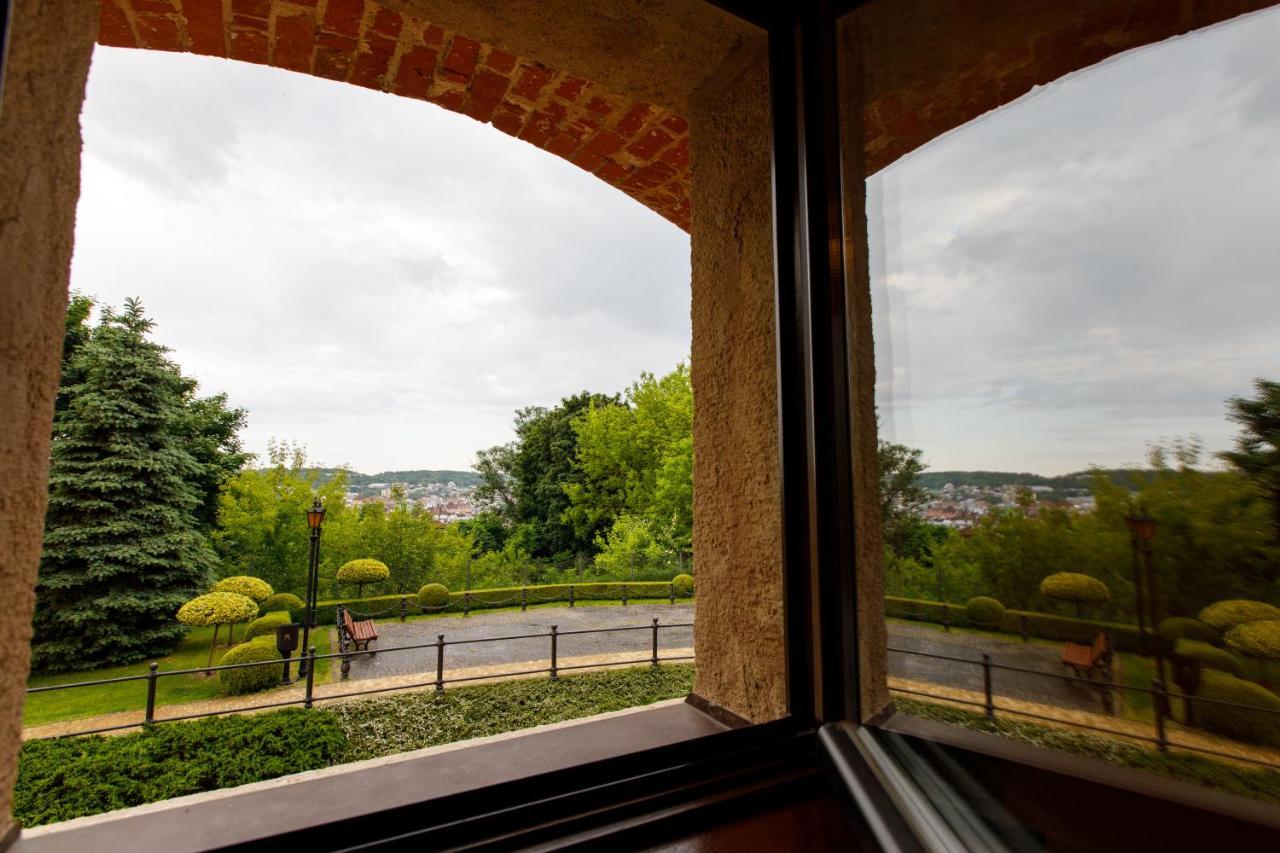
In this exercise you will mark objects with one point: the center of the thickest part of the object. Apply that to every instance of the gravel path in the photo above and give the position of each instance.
(460, 629)
(1053, 690)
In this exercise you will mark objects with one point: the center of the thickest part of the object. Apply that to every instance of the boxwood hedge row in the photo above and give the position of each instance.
(1044, 626)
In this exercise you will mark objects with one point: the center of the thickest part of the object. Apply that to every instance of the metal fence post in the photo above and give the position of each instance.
(673, 592)
(1159, 699)
(554, 629)
(1025, 628)
(439, 663)
(570, 595)
(524, 599)
(404, 608)
(151, 693)
(986, 686)
(655, 641)
(311, 675)
(466, 603)
(624, 595)
(946, 618)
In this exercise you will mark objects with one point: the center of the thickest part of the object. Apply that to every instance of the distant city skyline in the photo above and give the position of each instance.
(1056, 285)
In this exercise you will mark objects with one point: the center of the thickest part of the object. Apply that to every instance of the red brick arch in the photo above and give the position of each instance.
(640, 148)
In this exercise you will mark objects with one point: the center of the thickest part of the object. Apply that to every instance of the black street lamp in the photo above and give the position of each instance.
(315, 520)
(1142, 529)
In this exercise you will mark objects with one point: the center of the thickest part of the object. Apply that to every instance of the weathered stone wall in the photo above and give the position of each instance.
(50, 46)
(737, 496)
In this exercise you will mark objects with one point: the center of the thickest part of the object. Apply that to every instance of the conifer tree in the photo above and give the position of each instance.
(122, 548)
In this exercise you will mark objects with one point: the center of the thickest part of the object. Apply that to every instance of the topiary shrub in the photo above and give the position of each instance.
(266, 625)
(1210, 657)
(1075, 588)
(258, 590)
(217, 609)
(1255, 726)
(1225, 615)
(251, 679)
(361, 572)
(984, 612)
(434, 596)
(1185, 628)
(1260, 639)
(282, 601)
(683, 585)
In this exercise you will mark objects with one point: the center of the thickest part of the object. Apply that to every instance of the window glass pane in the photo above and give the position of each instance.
(1072, 273)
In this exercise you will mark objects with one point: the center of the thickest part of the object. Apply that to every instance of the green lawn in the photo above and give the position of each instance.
(74, 703)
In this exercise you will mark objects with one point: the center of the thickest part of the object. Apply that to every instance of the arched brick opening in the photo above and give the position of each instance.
(640, 148)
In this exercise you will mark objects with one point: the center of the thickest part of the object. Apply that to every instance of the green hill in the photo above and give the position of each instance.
(935, 480)
(422, 477)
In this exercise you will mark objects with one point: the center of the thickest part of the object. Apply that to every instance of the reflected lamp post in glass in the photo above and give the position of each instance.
(315, 520)
(1142, 530)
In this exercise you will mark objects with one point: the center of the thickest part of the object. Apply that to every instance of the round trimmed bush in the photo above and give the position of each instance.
(266, 625)
(217, 608)
(251, 679)
(433, 595)
(1210, 657)
(1185, 628)
(1075, 588)
(683, 585)
(1260, 639)
(282, 601)
(1225, 615)
(984, 611)
(361, 572)
(1242, 723)
(255, 588)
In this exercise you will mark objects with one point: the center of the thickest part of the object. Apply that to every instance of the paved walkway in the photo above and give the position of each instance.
(1047, 689)
(468, 631)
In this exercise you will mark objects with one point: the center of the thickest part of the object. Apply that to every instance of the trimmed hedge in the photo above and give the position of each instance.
(1044, 626)
(250, 587)
(1225, 615)
(63, 778)
(1255, 726)
(434, 596)
(286, 601)
(1210, 657)
(217, 608)
(1075, 588)
(985, 612)
(251, 679)
(683, 585)
(266, 625)
(1259, 639)
(388, 606)
(1184, 628)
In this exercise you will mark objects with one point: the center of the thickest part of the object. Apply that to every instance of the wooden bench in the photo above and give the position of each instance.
(360, 634)
(1084, 659)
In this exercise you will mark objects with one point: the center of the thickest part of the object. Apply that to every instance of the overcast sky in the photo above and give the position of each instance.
(375, 277)
(1057, 284)
(1092, 268)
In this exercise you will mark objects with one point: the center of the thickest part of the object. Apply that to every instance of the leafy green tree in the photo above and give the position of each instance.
(526, 482)
(630, 549)
(209, 429)
(262, 526)
(636, 462)
(1257, 452)
(122, 549)
(905, 532)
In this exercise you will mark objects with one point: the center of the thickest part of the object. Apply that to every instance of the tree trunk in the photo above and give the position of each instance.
(359, 590)
(213, 645)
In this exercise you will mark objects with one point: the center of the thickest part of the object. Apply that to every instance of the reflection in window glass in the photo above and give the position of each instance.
(1079, 400)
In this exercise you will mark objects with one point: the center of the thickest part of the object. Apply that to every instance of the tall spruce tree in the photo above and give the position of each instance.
(122, 548)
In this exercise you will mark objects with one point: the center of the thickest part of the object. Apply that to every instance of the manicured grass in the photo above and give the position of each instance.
(396, 724)
(1258, 784)
(75, 703)
(64, 778)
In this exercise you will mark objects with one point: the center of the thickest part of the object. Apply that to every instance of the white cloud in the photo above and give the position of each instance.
(378, 278)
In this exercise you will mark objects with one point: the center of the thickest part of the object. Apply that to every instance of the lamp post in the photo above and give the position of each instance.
(1142, 529)
(315, 519)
